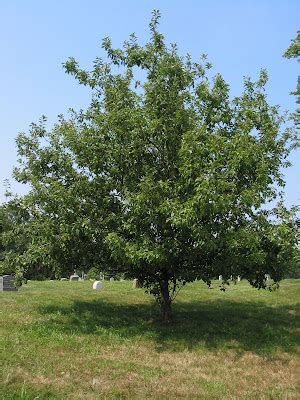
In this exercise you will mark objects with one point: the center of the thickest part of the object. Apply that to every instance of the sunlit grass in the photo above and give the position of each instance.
(62, 340)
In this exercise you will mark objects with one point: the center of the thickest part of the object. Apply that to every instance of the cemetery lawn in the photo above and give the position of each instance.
(62, 340)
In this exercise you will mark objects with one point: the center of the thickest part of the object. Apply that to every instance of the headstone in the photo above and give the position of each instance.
(8, 283)
(97, 285)
(64, 279)
(74, 277)
(220, 277)
(135, 284)
(1, 283)
(267, 276)
(239, 278)
(111, 280)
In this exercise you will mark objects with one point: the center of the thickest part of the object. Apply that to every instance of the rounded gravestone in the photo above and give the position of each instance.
(97, 285)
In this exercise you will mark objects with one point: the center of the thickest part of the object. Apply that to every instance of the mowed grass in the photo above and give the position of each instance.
(62, 340)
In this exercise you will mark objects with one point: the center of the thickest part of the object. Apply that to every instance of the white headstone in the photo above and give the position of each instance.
(135, 284)
(111, 279)
(97, 285)
(239, 279)
(220, 277)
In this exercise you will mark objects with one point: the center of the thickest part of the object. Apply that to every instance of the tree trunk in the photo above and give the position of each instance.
(165, 303)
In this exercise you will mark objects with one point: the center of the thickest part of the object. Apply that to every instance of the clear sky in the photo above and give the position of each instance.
(239, 36)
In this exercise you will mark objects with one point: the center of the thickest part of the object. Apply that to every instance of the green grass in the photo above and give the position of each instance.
(62, 340)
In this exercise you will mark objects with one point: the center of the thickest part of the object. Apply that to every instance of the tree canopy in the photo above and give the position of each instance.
(164, 177)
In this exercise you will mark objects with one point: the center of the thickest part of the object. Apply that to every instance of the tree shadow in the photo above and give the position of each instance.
(214, 325)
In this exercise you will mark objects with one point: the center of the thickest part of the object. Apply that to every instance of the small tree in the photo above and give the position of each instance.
(163, 175)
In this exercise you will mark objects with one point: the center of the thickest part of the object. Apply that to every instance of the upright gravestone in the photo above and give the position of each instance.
(7, 283)
(135, 284)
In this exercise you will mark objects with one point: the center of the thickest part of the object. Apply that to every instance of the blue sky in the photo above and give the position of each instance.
(36, 37)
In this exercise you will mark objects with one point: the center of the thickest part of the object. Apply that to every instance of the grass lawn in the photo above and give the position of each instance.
(62, 340)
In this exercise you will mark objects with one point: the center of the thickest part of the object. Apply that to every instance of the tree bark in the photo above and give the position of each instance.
(165, 303)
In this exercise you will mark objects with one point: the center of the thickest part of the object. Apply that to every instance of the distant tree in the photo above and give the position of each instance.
(163, 177)
(23, 248)
(13, 237)
(36, 245)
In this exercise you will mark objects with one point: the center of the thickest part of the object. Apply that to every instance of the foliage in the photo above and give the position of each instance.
(93, 273)
(13, 237)
(293, 51)
(164, 176)
(293, 269)
(21, 250)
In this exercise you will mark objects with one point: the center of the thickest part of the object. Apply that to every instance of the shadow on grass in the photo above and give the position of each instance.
(214, 325)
